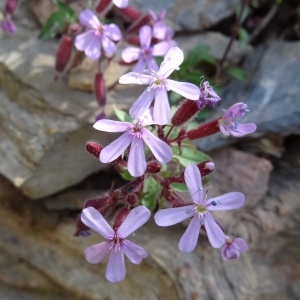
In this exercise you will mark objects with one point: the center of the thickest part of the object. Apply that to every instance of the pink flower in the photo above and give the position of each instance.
(232, 249)
(121, 3)
(145, 55)
(135, 135)
(160, 30)
(158, 87)
(229, 125)
(8, 26)
(116, 244)
(207, 95)
(97, 36)
(199, 212)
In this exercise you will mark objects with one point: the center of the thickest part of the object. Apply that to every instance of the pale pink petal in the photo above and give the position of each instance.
(189, 239)
(171, 216)
(147, 117)
(109, 46)
(89, 19)
(134, 252)
(215, 234)
(121, 3)
(115, 270)
(192, 179)
(145, 36)
(237, 110)
(135, 78)
(113, 32)
(142, 103)
(116, 148)
(240, 244)
(130, 54)
(92, 218)
(159, 148)
(94, 254)
(172, 61)
(161, 110)
(243, 129)
(141, 66)
(135, 219)
(136, 161)
(160, 49)
(82, 41)
(152, 64)
(228, 201)
(223, 129)
(185, 89)
(111, 125)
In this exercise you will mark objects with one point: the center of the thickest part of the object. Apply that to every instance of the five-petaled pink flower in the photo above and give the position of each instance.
(96, 36)
(229, 125)
(232, 249)
(199, 212)
(158, 87)
(135, 134)
(145, 55)
(116, 244)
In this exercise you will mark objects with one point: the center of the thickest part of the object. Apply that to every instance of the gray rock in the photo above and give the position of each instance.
(272, 93)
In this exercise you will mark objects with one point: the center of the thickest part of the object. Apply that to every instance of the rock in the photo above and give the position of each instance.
(42, 9)
(271, 92)
(190, 15)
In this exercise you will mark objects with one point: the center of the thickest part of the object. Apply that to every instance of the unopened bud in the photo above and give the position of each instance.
(74, 28)
(134, 40)
(130, 13)
(153, 167)
(120, 217)
(186, 110)
(100, 89)
(103, 4)
(98, 203)
(206, 167)
(10, 6)
(64, 53)
(144, 20)
(132, 199)
(204, 130)
(93, 148)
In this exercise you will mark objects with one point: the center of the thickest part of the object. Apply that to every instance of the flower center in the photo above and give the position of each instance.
(136, 129)
(200, 209)
(146, 52)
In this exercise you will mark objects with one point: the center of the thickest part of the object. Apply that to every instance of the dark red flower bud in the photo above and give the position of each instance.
(100, 89)
(120, 217)
(134, 40)
(130, 13)
(93, 148)
(144, 20)
(98, 203)
(204, 130)
(186, 110)
(10, 6)
(74, 28)
(206, 167)
(132, 199)
(153, 167)
(103, 4)
(64, 53)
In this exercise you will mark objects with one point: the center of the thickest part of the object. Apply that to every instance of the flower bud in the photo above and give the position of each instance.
(120, 217)
(206, 167)
(100, 89)
(144, 20)
(232, 249)
(186, 110)
(10, 6)
(132, 199)
(153, 167)
(103, 4)
(134, 40)
(98, 203)
(64, 53)
(130, 13)
(204, 130)
(93, 148)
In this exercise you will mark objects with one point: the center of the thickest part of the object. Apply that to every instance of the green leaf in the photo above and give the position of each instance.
(125, 174)
(66, 9)
(121, 115)
(179, 187)
(189, 155)
(151, 191)
(54, 24)
(243, 36)
(237, 73)
(245, 13)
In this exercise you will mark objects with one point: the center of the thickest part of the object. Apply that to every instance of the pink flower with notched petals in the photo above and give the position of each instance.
(116, 244)
(145, 55)
(158, 87)
(199, 212)
(232, 249)
(135, 135)
(97, 36)
(229, 125)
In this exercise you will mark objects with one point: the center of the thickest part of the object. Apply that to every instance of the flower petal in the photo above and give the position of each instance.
(227, 201)
(160, 49)
(189, 239)
(141, 104)
(172, 61)
(161, 110)
(171, 216)
(115, 270)
(185, 89)
(145, 36)
(130, 54)
(152, 64)
(136, 160)
(116, 148)
(141, 66)
(215, 234)
(147, 117)
(113, 32)
(243, 129)
(237, 110)
(109, 46)
(89, 19)
(134, 252)
(121, 3)
(161, 150)
(111, 125)
(135, 78)
(92, 218)
(94, 254)
(240, 244)
(192, 179)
